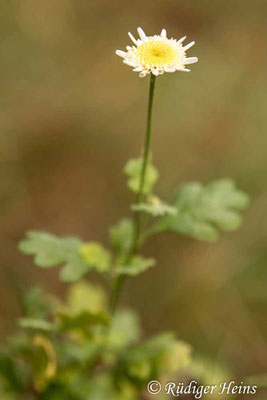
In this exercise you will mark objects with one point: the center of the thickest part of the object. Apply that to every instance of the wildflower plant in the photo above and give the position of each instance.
(87, 347)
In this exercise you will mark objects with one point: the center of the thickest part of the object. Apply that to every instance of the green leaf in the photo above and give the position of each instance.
(10, 376)
(36, 324)
(121, 236)
(38, 304)
(82, 321)
(43, 362)
(153, 348)
(95, 255)
(155, 207)
(139, 369)
(163, 353)
(124, 330)
(133, 170)
(177, 355)
(201, 211)
(50, 250)
(99, 387)
(72, 352)
(86, 305)
(83, 296)
(136, 265)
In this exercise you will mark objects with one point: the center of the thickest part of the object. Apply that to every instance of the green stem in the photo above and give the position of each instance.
(118, 284)
(137, 215)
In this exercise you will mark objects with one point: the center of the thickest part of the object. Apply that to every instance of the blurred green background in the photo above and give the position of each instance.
(71, 114)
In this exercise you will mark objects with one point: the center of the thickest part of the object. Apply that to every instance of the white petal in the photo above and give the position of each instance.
(128, 48)
(189, 45)
(183, 69)
(131, 63)
(163, 33)
(120, 53)
(190, 60)
(132, 38)
(143, 74)
(170, 69)
(155, 72)
(181, 40)
(141, 33)
(138, 69)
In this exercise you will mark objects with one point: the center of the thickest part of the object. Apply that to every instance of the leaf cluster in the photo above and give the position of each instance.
(75, 351)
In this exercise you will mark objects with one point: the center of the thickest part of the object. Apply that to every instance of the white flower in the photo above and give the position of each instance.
(156, 54)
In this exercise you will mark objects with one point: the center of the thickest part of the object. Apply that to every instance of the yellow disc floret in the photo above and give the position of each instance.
(156, 53)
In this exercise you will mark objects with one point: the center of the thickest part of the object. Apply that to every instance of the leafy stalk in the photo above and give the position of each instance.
(119, 281)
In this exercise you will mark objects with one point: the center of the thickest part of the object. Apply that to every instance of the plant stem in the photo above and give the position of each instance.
(137, 215)
(118, 284)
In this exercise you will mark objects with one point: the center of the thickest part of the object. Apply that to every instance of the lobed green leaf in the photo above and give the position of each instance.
(76, 257)
(156, 357)
(82, 321)
(155, 207)
(202, 211)
(36, 324)
(84, 296)
(121, 236)
(124, 330)
(95, 255)
(36, 303)
(135, 266)
(133, 170)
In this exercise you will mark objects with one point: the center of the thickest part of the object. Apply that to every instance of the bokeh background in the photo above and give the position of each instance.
(71, 114)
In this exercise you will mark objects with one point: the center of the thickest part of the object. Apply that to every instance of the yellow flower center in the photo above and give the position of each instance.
(156, 53)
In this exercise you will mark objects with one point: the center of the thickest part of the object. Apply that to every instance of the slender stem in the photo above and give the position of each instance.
(118, 284)
(115, 293)
(137, 215)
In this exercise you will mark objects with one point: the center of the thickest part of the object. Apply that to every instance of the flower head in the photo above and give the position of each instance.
(156, 54)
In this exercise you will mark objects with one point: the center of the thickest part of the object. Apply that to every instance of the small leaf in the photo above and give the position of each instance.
(38, 304)
(95, 255)
(83, 296)
(178, 355)
(36, 324)
(201, 211)
(136, 266)
(151, 350)
(140, 370)
(10, 376)
(99, 387)
(44, 362)
(155, 207)
(121, 236)
(133, 170)
(73, 352)
(75, 269)
(163, 353)
(125, 329)
(50, 250)
(82, 321)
